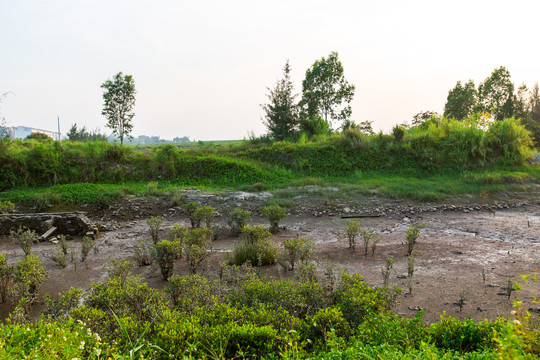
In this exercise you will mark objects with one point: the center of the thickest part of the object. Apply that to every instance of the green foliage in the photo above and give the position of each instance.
(411, 235)
(119, 269)
(274, 213)
(6, 207)
(387, 270)
(463, 336)
(325, 323)
(258, 253)
(61, 307)
(239, 219)
(84, 135)
(352, 229)
(196, 247)
(461, 101)
(38, 136)
(369, 237)
(133, 298)
(281, 113)
(398, 133)
(6, 277)
(165, 253)
(256, 233)
(29, 277)
(325, 92)
(191, 211)
(178, 198)
(143, 253)
(88, 244)
(25, 238)
(60, 340)
(118, 103)
(154, 223)
(191, 291)
(496, 94)
(152, 189)
(59, 256)
(206, 213)
(296, 249)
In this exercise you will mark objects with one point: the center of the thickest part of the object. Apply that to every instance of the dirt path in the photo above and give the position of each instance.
(453, 250)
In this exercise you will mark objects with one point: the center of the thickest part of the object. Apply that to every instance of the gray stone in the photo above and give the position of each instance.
(72, 223)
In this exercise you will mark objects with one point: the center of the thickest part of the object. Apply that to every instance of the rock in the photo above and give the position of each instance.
(72, 223)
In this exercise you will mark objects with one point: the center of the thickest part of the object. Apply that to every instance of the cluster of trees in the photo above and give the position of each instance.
(497, 96)
(75, 134)
(326, 100)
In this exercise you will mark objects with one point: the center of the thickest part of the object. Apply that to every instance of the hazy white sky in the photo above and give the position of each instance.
(201, 68)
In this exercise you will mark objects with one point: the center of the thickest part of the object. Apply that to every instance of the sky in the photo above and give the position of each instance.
(202, 68)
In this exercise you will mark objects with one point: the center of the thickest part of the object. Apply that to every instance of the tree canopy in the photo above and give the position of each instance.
(496, 94)
(118, 103)
(281, 113)
(326, 92)
(461, 101)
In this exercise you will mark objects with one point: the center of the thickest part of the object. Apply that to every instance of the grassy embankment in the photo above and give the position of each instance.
(426, 163)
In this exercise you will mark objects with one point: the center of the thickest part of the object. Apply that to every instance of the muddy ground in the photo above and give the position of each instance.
(500, 238)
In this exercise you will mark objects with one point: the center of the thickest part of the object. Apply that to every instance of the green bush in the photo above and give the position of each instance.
(274, 213)
(142, 252)
(25, 238)
(61, 307)
(165, 253)
(296, 249)
(6, 277)
(29, 277)
(6, 207)
(463, 336)
(239, 219)
(205, 213)
(196, 247)
(191, 291)
(154, 223)
(195, 217)
(256, 250)
(325, 322)
(120, 268)
(352, 229)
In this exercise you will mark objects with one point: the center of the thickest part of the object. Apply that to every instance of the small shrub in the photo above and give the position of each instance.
(386, 270)
(165, 253)
(307, 272)
(239, 219)
(463, 336)
(410, 269)
(6, 277)
(191, 211)
(6, 207)
(398, 133)
(59, 257)
(205, 213)
(119, 269)
(254, 234)
(154, 223)
(509, 287)
(88, 244)
(63, 305)
(259, 253)
(178, 198)
(462, 299)
(274, 213)
(152, 188)
(196, 247)
(352, 229)
(376, 240)
(411, 235)
(328, 322)
(142, 253)
(259, 186)
(25, 238)
(296, 249)
(188, 292)
(367, 237)
(62, 241)
(29, 277)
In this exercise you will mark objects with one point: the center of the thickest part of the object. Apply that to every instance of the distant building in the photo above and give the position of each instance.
(21, 132)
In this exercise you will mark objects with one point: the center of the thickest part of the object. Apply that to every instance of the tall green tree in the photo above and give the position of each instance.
(325, 91)
(532, 119)
(281, 113)
(461, 101)
(118, 103)
(496, 94)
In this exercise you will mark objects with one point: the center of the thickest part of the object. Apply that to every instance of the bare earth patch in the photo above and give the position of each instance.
(453, 250)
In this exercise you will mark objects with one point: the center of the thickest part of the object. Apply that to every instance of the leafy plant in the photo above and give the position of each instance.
(6, 207)
(88, 244)
(411, 235)
(178, 198)
(154, 223)
(25, 238)
(143, 253)
(165, 253)
(59, 257)
(62, 306)
(239, 219)
(119, 269)
(274, 213)
(387, 270)
(352, 229)
(296, 249)
(462, 299)
(374, 244)
(191, 211)
(206, 213)
(6, 277)
(367, 237)
(29, 277)
(196, 247)
(410, 269)
(191, 291)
